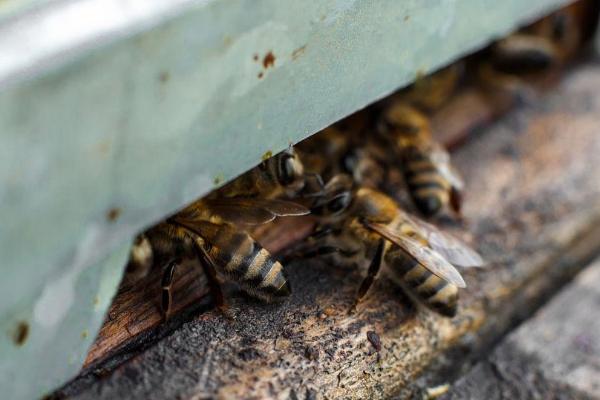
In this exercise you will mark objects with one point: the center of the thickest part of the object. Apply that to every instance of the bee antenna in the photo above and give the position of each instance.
(313, 195)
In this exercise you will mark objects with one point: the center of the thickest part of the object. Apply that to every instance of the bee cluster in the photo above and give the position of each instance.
(343, 178)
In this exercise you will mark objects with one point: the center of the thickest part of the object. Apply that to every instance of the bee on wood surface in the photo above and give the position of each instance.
(346, 149)
(431, 180)
(527, 56)
(536, 48)
(365, 224)
(322, 154)
(209, 231)
(430, 92)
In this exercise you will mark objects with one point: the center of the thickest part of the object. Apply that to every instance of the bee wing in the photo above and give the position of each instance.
(251, 211)
(451, 248)
(427, 257)
(441, 159)
(219, 235)
(283, 208)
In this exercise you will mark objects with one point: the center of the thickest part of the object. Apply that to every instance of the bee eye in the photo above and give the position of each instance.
(349, 161)
(287, 169)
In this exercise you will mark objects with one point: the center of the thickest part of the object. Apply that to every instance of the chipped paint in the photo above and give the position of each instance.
(58, 295)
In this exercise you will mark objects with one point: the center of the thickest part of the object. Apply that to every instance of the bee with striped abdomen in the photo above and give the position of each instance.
(430, 92)
(335, 150)
(431, 180)
(365, 224)
(511, 65)
(209, 230)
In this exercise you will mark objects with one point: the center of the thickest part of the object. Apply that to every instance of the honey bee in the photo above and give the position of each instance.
(428, 93)
(322, 154)
(528, 55)
(522, 53)
(279, 176)
(347, 147)
(208, 230)
(431, 180)
(563, 29)
(539, 46)
(365, 224)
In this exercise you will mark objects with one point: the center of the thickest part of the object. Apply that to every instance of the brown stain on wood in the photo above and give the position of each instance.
(268, 60)
(298, 52)
(21, 333)
(113, 214)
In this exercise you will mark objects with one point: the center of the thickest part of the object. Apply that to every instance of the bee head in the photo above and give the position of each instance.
(289, 170)
(335, 199)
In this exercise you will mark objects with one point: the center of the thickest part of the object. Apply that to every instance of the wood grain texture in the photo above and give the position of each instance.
(532, 209)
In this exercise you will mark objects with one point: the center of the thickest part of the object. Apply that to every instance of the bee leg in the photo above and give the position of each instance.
(371, 274)
(317, 177)
(455, 200)
(210, 270)
(319, 180)
(166, 284)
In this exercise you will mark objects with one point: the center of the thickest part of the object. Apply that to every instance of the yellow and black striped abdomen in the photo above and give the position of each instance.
(247, 263)
(433, 291)
(429, 190)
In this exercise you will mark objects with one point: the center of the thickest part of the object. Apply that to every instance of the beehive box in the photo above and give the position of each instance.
(109, 125)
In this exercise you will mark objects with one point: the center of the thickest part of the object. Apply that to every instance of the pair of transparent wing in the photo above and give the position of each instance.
(234, 211)
(219, 235)
(441, 159)
(244, 211)
(444, 251)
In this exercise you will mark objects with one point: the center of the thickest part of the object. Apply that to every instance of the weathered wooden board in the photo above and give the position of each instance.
(556, 354)
(533, 193)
